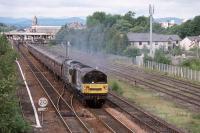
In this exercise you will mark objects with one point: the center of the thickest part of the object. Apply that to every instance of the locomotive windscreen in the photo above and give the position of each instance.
(94, 77)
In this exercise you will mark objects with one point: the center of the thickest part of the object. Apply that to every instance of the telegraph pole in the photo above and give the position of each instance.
(67, 49)
(151, 12)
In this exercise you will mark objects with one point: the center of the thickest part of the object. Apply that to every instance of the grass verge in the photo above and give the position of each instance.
(154, 103)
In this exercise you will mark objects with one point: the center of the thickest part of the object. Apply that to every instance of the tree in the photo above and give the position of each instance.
(11, 120)
(123, 25)
(132, 52)
(96, 18)
(161, 58)
(189, 28)
(129, 16)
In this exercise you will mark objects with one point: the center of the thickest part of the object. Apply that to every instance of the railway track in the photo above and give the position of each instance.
(194, 92)
(141, 117)
(154, 86)
(186, 94)
(110, 122)
(114, 125)
(72, 123)
(190, 93)
(175, 82)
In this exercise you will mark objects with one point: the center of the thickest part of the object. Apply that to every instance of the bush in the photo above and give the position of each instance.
(115, 87)
(132, 52)
(192, 64)
(147, 58)
(161, 58)
(11, 120)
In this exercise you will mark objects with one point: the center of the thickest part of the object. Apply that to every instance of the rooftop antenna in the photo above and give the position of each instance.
(151, 12)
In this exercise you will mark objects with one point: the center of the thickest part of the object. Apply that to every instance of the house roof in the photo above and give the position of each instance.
(193, 38)
(144, 37)
(46, 29)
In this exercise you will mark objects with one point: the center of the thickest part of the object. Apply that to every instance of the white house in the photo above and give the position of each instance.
(141, 40)
(189, 42)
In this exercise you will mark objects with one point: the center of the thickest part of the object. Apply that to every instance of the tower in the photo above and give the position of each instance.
(34, 21)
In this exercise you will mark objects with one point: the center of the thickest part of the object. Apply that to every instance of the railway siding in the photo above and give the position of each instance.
(143, 118)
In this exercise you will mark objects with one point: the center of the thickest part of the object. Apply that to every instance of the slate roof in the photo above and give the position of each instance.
(193, 38)
(144, 37)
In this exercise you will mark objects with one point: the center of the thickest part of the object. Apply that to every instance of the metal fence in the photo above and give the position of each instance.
(178, 71)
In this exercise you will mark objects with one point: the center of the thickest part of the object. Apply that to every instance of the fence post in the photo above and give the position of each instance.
(195, 77)
(168, 69)
(198, 76)
(178, 71)
(150, 64)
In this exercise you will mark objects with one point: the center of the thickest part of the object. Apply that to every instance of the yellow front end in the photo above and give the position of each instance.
(95, 88)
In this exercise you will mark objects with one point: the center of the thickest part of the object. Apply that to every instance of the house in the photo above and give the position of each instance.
(167, 24)
(189, 42)
(141, 40)
(35, 28)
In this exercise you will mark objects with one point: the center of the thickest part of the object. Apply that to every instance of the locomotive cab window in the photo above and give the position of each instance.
(94, 77)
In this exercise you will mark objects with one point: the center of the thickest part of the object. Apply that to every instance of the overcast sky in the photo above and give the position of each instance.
(69, 8)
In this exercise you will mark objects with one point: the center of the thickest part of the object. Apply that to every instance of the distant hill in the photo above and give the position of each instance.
(168, 19)
(23, 22)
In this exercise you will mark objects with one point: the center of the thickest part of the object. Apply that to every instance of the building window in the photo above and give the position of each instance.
(140, 43)
(156, 43)
(176, 42)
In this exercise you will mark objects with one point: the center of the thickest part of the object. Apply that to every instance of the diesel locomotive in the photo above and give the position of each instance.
(88, 83)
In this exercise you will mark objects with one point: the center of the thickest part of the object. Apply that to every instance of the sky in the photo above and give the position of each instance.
(81, 8)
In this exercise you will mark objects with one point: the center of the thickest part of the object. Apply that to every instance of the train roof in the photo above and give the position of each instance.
(58, 58)
(84, 71)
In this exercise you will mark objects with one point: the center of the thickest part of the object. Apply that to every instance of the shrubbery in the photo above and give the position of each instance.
(160, 57)
(116, 87)
(11, 120)
(192, 64)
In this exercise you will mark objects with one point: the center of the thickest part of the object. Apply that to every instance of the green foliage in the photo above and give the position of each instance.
(129, 16)
(189, 28)
(138, 29)
(192, 64)
(115, 87)
(132, 52)
(11, 121)
(161, 58)
(176, 51)
(105, 32)
(147, 58)
(96, 18)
